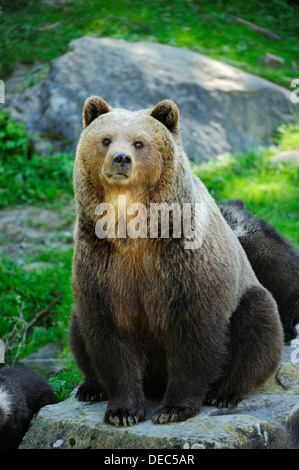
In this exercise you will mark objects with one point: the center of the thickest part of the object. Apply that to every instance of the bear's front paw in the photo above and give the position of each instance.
(91, 392)
(223, 402)
(171, 414)
(123, 416)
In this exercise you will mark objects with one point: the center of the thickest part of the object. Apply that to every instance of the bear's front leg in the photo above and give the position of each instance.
(120, 364)
(196, 352)
(181, 401)
(123, 378)
(115, 364)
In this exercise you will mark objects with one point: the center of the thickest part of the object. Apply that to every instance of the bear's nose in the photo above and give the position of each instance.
(121, 160)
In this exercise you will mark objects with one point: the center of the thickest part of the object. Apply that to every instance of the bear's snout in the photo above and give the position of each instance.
(118, 168)
(122, 161)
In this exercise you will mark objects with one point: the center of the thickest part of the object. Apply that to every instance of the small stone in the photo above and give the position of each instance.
(272, 61)
(38, 265)
(198, 446)
(58, 443)
(287, 156)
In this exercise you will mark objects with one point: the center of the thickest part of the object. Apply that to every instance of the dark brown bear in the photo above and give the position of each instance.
(151, 317)
(273, 259)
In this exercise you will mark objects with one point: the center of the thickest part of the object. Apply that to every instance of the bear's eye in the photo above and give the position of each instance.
(106, 142)
(138, 144)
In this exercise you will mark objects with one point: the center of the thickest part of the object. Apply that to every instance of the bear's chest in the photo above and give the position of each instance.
(137, 289)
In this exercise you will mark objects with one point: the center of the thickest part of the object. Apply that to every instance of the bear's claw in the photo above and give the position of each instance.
(123, 417)
(170, 414)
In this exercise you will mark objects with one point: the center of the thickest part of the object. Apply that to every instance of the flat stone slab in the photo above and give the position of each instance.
(287, 156)
(268, 418)
(45, 361)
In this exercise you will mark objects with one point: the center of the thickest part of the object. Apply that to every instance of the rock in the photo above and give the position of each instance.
(287, 156)
(272, 61)
(25, 75)
(71, 424)
(267, 418)
(222, 108)
(45, 361)
(38, 265)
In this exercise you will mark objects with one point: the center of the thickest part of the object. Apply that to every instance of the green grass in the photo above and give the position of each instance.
(199, 25)
(24, 294)
(45, 180)
(288, 136)
(64, 383)
(27, 178)
(270, 190)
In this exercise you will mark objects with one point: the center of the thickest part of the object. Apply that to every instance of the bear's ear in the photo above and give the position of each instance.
(167, 113)
(238, 202)
(93, 107)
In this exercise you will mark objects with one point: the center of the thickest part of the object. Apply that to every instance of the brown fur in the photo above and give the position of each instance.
(150, 316)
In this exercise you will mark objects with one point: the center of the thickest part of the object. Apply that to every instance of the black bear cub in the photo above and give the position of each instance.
(273, 259)
(22, 394)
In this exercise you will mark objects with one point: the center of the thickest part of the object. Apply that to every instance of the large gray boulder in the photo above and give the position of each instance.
(268, 418)
(222, 108)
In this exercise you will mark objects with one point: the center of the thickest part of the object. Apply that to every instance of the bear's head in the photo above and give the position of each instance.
(128, 152)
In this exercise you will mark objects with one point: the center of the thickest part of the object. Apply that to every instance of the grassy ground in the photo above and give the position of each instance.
(196, 24)
(24, 295)
(25, 178)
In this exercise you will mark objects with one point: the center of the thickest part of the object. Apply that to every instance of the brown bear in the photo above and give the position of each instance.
(273, 259)
(152, 317)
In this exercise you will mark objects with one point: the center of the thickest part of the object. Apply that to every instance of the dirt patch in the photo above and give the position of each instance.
(27, 232)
